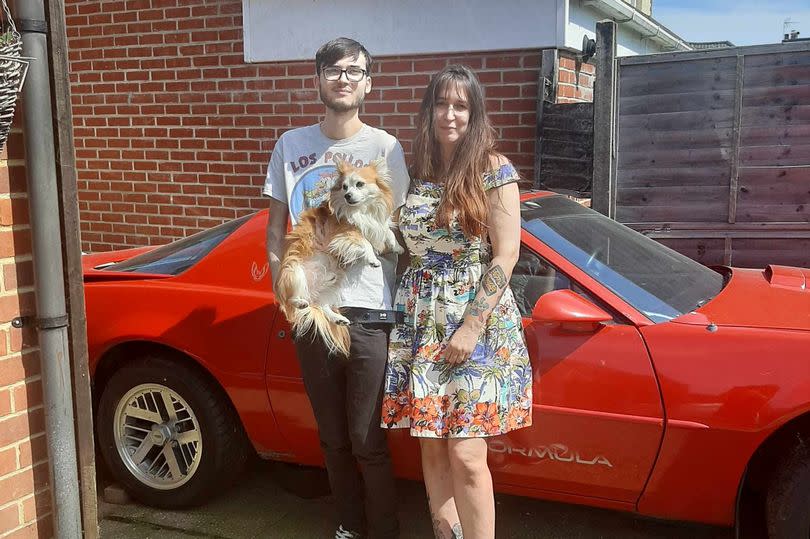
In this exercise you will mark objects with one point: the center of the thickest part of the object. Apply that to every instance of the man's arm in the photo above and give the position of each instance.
(276, 230)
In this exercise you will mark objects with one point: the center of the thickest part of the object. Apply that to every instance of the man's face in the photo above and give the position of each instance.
(343, 95)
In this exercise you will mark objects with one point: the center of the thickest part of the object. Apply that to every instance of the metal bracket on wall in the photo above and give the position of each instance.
(32, 25)
(548, 90)
(53, 322)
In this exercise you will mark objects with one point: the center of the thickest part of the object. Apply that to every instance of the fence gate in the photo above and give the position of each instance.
(709, 152)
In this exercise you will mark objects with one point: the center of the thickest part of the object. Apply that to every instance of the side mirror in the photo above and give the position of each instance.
(569, 310)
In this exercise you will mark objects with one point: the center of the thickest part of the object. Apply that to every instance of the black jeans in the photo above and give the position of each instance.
(346, 396)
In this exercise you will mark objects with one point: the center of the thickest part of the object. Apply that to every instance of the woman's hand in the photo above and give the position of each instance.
(461, 345)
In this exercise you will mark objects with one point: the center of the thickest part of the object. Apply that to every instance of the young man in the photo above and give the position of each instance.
(345, 393)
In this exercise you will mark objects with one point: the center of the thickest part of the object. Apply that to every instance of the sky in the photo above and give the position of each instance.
(743, 22)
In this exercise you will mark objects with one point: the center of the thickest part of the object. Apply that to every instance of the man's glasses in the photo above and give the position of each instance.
(353, 74)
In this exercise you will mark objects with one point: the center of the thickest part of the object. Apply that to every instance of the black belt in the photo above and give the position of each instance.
(372, 316)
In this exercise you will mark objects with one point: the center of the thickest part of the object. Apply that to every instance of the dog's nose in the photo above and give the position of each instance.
(348, 197)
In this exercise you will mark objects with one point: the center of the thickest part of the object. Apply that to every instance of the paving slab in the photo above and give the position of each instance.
(261, 505)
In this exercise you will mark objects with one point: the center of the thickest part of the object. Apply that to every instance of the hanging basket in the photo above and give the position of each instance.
(12, 72)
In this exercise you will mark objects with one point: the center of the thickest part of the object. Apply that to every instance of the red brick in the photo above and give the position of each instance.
(41, 528)
(519, 76)
(18, 367)
(24, 338)
(8, 461)
(566, 76)
(16, 486)
(420, 81)
(395, 66)
(431, 65)
(33, 451)
(494, 62)
(28, 395)
(18, 427)
(565, 91)
(9, 518)
(585, 81)
(5, 402)
(13, 211)
(36, 506)
(567, 63)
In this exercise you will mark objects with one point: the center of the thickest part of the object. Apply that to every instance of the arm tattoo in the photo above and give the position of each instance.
(477, 308)
(457, 531)
(494, 280)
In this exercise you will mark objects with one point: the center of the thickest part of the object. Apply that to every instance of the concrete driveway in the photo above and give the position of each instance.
(262, 506)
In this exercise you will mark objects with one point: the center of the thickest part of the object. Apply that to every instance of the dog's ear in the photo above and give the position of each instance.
(342, 166)
(381, 166)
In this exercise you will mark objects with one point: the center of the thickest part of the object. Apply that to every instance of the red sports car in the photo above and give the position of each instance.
(662, 387)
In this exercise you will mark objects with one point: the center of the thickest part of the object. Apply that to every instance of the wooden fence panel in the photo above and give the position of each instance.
(566, 160)
(713, 152)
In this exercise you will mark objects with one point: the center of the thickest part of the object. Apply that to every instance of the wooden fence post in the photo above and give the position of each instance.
(546, 92)
(604, 120)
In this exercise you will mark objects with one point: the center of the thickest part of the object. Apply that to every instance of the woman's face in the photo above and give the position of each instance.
(451, 115)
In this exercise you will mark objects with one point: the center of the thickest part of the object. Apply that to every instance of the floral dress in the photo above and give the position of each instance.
(491, 392)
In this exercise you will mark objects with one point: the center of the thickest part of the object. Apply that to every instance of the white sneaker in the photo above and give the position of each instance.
(343, 533)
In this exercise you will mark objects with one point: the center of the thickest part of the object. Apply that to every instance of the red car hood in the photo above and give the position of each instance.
(777, 297)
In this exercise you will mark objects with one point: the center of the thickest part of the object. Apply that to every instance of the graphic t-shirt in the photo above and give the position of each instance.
(301, 173)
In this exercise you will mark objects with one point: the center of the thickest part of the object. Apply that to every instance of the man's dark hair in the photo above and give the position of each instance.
(337, 49)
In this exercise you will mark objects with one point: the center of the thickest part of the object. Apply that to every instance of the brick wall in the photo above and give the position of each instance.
(173, 130)
(574, 80)
(24, 494)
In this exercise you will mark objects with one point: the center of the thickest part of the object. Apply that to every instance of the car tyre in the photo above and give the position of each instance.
(163, 458)
(788, 498)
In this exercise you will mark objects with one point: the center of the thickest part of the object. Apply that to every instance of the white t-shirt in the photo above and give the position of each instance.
(301, 173)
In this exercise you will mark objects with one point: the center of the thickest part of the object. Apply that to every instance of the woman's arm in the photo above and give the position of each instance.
(504, 234)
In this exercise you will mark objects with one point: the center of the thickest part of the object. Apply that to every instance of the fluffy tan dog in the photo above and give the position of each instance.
(352, 228)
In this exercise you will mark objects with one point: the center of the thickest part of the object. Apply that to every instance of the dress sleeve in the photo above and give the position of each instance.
(506, 173)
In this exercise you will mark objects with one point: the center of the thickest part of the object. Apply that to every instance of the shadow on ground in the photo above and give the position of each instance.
(263, 505)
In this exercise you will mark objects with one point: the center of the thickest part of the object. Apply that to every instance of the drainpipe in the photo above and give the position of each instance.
(52, 319)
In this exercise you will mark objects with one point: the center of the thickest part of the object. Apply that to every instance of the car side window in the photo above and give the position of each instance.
(532, 277)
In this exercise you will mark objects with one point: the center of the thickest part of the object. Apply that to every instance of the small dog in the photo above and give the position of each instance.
(352, 227)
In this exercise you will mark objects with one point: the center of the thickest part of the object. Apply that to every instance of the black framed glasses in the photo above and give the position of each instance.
(353, 74)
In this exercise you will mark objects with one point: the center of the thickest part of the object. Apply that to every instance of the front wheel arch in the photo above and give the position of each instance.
(121, 354)
(764, 464)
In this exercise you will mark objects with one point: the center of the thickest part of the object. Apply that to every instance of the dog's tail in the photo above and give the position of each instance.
(313, 319)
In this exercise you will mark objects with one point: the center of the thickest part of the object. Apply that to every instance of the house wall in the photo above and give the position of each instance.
(582, 21)
(174, 130)
(644, 6)
(24, 494)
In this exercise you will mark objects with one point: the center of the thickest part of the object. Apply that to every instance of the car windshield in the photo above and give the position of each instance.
(659, 282)
(175, 258)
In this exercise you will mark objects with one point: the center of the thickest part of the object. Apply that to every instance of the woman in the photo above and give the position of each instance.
(458, 370)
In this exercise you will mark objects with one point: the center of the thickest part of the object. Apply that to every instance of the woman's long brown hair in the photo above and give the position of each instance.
(463, 186)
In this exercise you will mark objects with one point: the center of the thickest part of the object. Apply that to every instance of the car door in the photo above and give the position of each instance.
(597, 415)
(285, 387)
